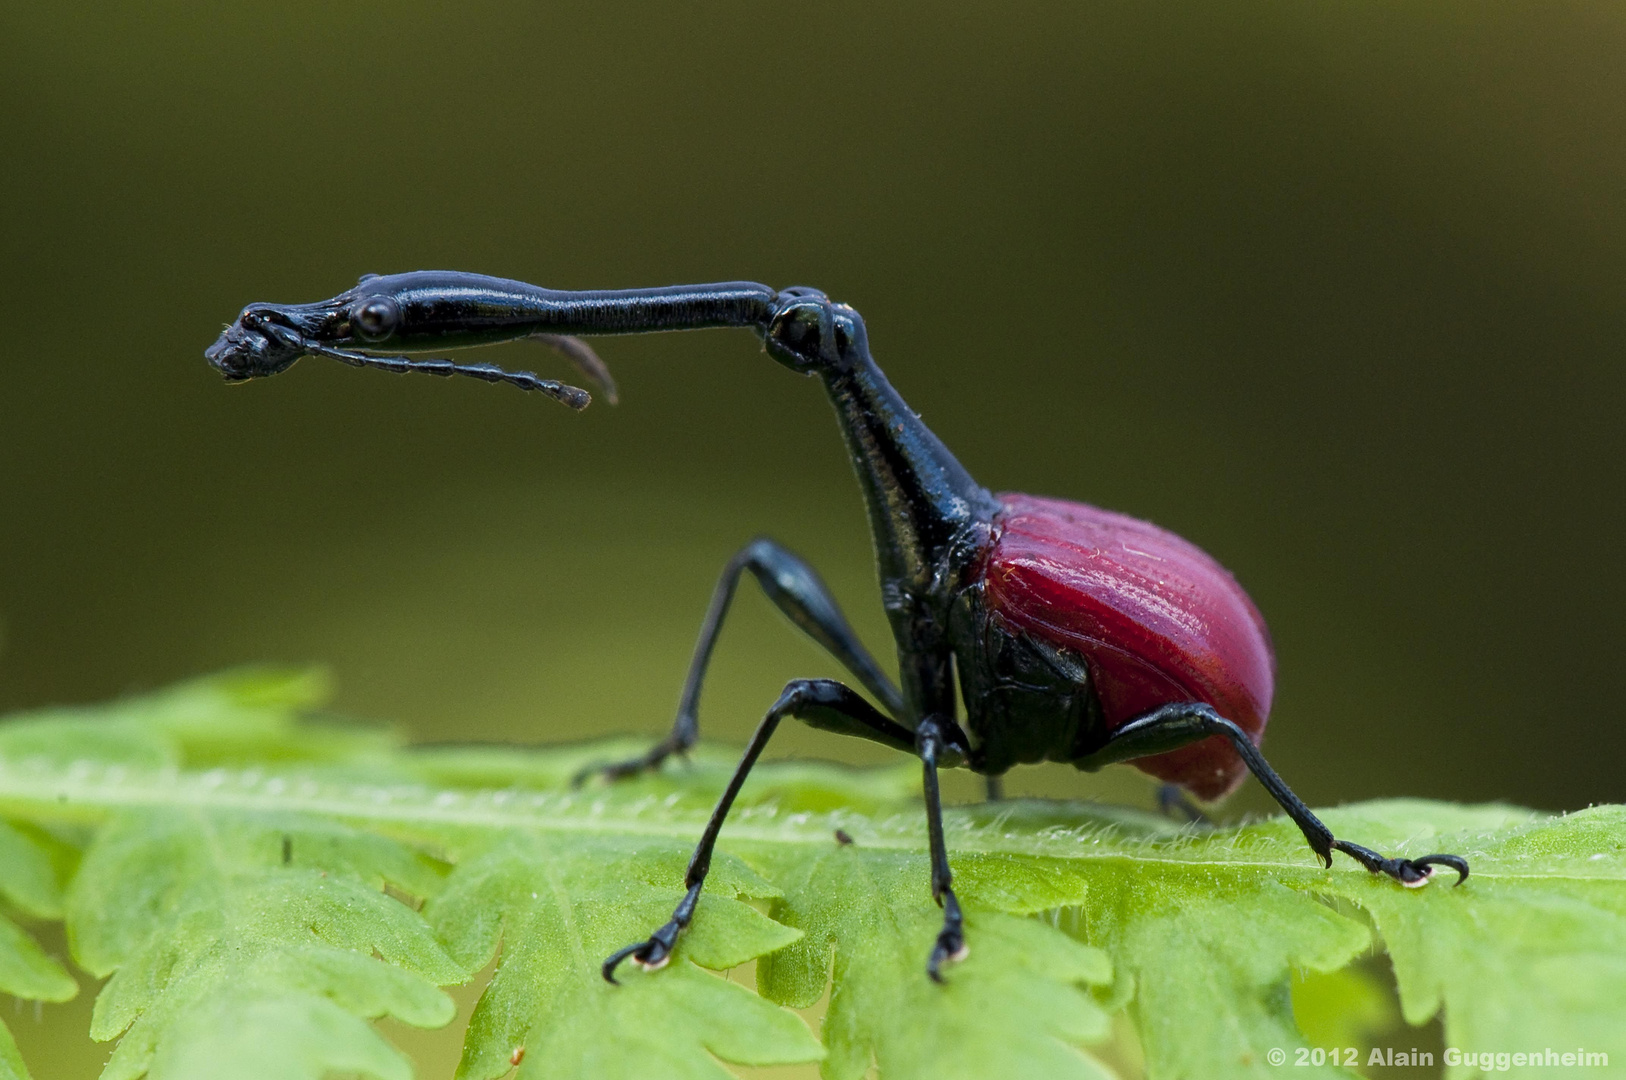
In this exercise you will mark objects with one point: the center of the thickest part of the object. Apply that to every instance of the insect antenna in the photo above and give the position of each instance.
(573, 396)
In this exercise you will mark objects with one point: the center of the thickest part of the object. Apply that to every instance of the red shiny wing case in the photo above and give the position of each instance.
(1157, 620)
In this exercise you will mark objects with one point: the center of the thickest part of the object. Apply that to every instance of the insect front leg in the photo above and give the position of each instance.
(819, 703)
(1173, 726)
(585, 358)
(796, 589)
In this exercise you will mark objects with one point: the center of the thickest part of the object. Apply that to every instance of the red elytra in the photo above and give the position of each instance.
(1157, 620)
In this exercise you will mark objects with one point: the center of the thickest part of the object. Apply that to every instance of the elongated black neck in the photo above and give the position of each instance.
(927, 516)
(449, 309)
(610, 311)
(922, 503)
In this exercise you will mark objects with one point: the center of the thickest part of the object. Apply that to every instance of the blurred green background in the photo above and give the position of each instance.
(1334, 290)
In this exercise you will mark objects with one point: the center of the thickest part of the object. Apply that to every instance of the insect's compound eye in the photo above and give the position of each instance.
(376, 318)
(798, 329)
(796, 334)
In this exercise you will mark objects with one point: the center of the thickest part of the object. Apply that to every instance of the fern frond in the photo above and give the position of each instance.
(258, 886)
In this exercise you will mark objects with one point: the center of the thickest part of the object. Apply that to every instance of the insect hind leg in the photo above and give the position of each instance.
(1173, 726)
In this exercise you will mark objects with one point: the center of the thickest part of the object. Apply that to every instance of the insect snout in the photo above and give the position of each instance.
(245, 350)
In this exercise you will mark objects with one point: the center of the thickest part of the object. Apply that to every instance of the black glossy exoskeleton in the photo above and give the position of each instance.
(1076, 634)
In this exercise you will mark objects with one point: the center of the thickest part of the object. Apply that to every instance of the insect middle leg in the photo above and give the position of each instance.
(819, 703)
(798, 591)
(1173, 726)
(940, 740)
(1173, 802)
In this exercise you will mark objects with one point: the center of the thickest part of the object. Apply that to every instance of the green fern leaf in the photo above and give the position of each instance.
(1543, 918)
(12, 1066)
(30, 864)
(560, 905)
(250, 881)
(1016, 1007)
(248, 716)
(228, 933)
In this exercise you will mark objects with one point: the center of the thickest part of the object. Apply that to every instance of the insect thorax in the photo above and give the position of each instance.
(1026, 700)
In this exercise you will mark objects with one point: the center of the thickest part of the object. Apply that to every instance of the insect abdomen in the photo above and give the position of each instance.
(1157, 620)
